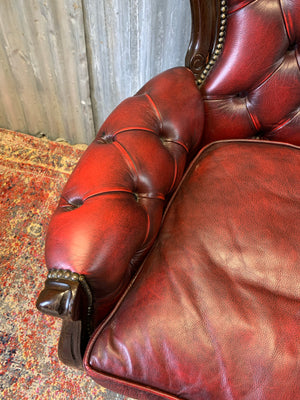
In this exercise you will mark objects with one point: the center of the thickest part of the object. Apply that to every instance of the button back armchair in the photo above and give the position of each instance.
(173, 254)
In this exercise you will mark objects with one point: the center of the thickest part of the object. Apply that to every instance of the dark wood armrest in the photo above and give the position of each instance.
(67, 296)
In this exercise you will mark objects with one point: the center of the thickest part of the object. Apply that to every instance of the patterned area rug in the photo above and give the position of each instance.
(32, 174)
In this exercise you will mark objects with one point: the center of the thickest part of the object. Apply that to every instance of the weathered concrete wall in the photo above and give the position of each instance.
(65, 64)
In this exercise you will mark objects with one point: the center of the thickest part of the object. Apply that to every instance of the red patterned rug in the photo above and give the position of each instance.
(32, 174)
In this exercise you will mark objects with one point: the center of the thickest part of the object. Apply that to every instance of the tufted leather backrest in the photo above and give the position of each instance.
(253, 91)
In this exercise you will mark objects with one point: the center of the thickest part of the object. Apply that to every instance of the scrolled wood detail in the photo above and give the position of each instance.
(67, 296)
(207, 36)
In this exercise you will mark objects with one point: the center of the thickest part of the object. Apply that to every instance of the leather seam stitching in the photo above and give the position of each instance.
(128, 158)
(156, 110)
(154, 106)
(254, 120)
(134, 128)
(288, 33)
(284, 123)
(109, 191)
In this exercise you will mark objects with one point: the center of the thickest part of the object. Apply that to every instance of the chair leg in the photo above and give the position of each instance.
(70, 344)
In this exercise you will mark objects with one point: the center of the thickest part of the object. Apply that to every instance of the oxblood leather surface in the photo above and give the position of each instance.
(111, 207)
(215, 311)
(254, 89)
(219, 312)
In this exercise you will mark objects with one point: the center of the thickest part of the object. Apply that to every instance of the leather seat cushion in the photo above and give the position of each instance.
(214, 313)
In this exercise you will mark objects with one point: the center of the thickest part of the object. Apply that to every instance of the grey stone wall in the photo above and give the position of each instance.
(65, 64)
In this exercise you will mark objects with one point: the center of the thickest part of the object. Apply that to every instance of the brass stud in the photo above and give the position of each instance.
(219, 45)
(67, 274)
(73, 276)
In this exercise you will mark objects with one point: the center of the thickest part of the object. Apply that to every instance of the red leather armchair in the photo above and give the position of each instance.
(173, 255)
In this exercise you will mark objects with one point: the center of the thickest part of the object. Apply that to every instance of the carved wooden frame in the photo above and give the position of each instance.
(207, 36)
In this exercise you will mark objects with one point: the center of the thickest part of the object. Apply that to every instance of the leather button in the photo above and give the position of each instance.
(292, 46)
(136, 196)
(76, 202)
(103, 138)
(107, 140)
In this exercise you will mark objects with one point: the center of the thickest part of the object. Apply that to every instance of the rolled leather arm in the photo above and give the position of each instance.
(112, 205)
